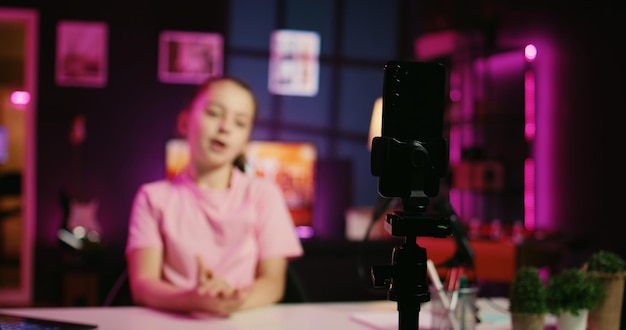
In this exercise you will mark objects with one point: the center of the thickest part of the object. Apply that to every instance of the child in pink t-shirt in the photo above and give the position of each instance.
(212, 239)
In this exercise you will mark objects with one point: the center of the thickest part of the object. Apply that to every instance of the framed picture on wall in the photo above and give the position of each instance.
(294, 63)
(81, 54)
(190, 57)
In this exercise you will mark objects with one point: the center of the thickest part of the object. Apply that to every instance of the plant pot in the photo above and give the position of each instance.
(569, 321)
(525, 321)
(608, 313)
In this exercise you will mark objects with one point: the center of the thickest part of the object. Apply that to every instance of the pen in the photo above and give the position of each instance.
(455, 275)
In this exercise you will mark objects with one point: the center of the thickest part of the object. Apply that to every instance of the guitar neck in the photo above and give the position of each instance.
(77, 171)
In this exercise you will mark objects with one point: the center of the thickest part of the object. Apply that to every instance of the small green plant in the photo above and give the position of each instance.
(573, 290)
(528, 292)
(605, 261)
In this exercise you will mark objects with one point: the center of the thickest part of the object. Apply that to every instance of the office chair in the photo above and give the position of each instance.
(10, 187)
(120, 294)
(295, 290)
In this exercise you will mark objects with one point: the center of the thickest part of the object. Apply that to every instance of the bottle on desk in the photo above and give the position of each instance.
(517, 232)
(495, 230)
(474, 229)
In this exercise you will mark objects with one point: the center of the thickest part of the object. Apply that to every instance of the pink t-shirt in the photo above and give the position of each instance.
(231, 230)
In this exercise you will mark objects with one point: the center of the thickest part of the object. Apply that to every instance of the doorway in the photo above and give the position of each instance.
(19, 38)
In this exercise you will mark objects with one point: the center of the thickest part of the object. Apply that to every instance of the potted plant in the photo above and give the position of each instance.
(571, 294)
(527, 299)
(610, 269)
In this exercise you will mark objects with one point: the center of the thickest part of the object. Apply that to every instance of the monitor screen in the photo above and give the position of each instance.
(290, 164)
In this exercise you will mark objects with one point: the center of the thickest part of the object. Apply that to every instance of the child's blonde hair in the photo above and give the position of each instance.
(240, 161)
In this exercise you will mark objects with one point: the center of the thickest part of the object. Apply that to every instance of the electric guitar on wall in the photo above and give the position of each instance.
(80, 223)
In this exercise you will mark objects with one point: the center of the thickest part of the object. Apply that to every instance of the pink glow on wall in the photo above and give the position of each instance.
(539, 76)
(529, 105)
(455, 135)
(455, 145)
(467, 108)
(543, 148)
(498, 65)
(454, 195)
(304, 231)
(540, 102)
(454, 112)
(455, 95)
(530, 53)
(437, 44)
(529, 194)
(20, 98)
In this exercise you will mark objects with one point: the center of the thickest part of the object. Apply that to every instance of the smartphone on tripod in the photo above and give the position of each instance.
(413, 105)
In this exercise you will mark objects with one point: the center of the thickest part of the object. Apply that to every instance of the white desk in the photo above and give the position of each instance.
(379, 315)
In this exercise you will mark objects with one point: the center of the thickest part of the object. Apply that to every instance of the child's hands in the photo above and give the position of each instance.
(215, 294)
(211, 286)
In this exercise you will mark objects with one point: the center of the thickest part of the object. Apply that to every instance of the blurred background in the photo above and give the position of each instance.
(533, 130)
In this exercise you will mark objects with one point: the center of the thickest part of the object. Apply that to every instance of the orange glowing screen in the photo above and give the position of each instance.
(290, 164)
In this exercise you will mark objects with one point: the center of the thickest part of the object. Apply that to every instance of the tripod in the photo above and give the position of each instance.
(407, 276)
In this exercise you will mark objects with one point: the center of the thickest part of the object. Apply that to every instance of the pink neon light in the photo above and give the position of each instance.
(529, 194)
(20, 97)
(304, 231)
(529, 105)
(530, 52)
(529, 133)
(455, 95)
(455, 145)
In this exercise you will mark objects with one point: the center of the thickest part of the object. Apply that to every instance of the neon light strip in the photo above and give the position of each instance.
(529, 193)
(530, 53)
(529, 105)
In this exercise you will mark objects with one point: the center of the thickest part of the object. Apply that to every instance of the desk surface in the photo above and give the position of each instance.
(370, 315)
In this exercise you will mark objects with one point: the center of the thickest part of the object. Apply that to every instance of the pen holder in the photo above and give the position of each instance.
(464, 310)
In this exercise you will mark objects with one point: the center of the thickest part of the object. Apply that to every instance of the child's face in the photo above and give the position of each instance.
(219, 124)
